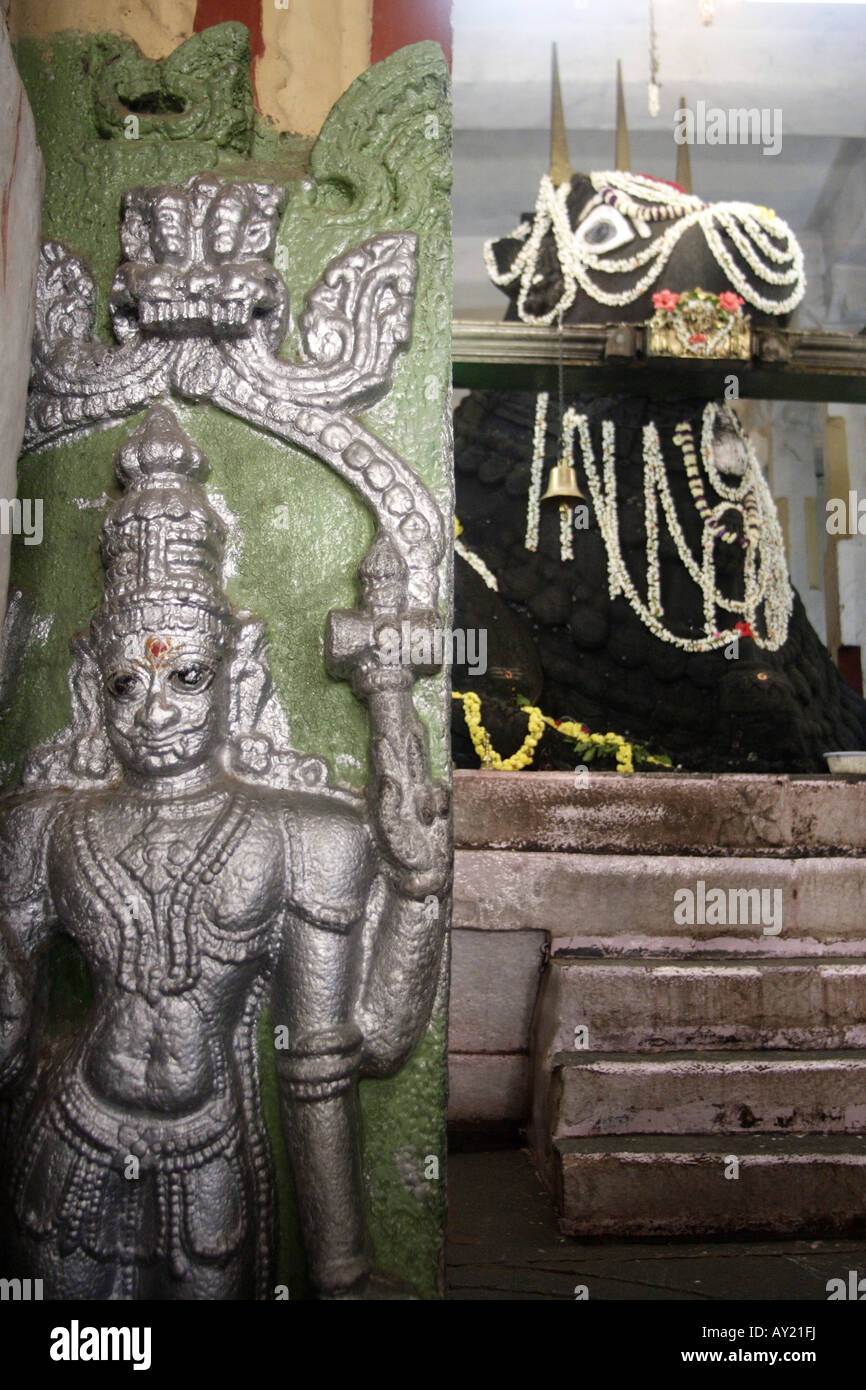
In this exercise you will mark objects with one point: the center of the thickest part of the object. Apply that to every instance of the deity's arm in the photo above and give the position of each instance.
(359, 959)
(26, 918)
(403, 939)
(407, 808)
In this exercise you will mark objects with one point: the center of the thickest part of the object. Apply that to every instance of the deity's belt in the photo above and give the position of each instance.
(173, 1143)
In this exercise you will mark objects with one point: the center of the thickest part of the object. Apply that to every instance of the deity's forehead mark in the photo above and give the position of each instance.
(160, 648)
(156, 649)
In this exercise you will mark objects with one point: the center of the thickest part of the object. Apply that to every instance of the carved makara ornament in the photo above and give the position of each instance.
(203, 867)
(199, 310)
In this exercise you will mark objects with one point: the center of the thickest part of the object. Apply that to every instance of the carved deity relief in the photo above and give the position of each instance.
(203, 867)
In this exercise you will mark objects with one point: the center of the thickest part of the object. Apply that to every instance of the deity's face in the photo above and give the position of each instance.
(224, 223)
(170, 231)
(164, 697)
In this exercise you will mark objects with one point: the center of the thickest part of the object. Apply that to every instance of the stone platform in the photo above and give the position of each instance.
(504, 1243)
(643, 1050)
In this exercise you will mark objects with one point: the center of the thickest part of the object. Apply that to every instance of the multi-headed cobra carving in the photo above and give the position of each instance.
(201, 865)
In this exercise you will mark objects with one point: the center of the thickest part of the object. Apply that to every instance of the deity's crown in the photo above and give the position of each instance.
(162, 543)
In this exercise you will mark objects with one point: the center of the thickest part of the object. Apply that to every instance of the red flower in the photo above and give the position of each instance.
(743, 629)
(698, 338)
(665, 300)
(731, 302)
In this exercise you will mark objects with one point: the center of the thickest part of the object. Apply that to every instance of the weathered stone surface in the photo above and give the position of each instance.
(491, 1090)
(647, 1006)
(660, 1186)
(611, 904)
(606, 812)
(494, 981)
(708, 1093)
(21, 179)
(504, 1243)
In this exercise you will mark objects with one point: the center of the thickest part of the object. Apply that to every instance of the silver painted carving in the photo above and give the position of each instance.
(201, 866)
(198, 309)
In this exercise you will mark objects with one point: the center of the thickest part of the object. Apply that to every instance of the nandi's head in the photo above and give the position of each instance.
(598, 246)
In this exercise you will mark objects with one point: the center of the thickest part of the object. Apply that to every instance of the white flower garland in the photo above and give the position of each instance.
(765, 568)
(646, 200)
(737, 492)
(475, 562)
(533, 511)
(565, 533)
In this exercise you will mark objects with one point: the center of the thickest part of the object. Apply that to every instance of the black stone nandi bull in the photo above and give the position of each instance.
(598, 625)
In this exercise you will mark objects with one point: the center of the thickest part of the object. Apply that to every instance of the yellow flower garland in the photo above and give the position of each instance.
(538, 721)
(579, 732)
(481, 739)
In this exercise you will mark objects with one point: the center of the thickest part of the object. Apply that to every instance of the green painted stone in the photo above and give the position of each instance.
(381, 162)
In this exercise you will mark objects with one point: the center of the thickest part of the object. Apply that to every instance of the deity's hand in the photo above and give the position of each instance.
(382, 649)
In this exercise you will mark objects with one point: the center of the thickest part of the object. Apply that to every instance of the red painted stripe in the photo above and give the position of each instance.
(397, 22)
(851, 667)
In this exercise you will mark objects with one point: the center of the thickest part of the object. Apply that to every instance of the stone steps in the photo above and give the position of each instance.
(689, 1093)
(690, 1062)
(672, 1032)
(676, 1187)
(614, 903)
(653, 1006)
(660, 813)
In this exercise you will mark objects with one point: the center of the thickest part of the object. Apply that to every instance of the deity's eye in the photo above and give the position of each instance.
(124, 685)
(603, 229)
(192, 677)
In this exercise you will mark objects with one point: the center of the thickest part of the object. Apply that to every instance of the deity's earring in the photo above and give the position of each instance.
(91, 755)
(251, 755)
(91, 758)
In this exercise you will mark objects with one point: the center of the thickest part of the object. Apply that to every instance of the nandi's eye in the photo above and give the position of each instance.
(603, 229)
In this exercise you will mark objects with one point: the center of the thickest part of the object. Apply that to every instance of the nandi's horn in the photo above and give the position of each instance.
(623, 158)
(560, 169)
(684, 160)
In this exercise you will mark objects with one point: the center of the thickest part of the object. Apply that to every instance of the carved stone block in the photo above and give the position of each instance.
(229, 869)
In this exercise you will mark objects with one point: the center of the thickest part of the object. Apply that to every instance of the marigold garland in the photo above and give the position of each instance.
(481, 739)
(588, 745)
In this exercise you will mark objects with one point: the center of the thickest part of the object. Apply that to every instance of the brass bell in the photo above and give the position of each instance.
(563, 484)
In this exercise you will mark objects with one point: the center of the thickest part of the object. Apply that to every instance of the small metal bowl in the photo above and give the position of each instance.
(847, 762)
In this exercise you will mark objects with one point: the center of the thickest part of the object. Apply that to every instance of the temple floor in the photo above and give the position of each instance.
(504, 1243)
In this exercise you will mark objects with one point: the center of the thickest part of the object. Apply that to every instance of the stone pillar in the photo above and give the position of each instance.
(297, 531)
(21, 178)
